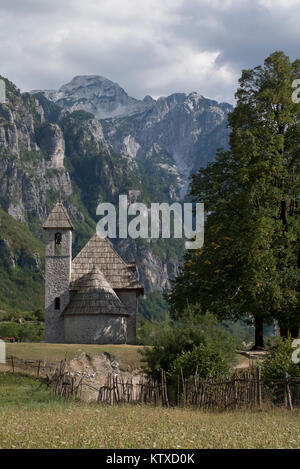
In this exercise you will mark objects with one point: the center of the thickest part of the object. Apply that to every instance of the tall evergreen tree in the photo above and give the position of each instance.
(249, 266)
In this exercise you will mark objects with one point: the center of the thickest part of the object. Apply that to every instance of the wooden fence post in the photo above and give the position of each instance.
(259, 390)
(288, 392)
(12, 364)
(166, 390)
(235, 392)
(38, 369)
(183, 387)
(162, 386)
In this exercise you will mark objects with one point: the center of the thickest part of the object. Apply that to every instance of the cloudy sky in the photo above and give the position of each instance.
(154, 47)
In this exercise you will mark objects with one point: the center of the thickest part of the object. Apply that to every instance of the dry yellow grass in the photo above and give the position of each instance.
(80, 425)
(126, 355)
(31, 418)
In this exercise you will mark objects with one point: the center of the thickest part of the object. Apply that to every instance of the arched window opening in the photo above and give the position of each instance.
(57, 303)
(57, 244)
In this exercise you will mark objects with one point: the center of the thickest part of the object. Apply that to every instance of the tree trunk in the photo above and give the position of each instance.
(294, 332)
(283, 332)
(259, 336)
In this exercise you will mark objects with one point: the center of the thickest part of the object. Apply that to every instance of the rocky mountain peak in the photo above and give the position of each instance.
(85, 80)
(148, 99)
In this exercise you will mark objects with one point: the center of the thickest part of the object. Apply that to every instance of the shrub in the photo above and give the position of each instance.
(39, 315)
(280, 362)
(175, 337)
(24, 332)
(203, 358)
(9, 330)
(31, 333)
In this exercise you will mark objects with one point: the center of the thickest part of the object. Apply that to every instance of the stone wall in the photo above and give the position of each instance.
(58, 273)
(95, 329)
(129, 299)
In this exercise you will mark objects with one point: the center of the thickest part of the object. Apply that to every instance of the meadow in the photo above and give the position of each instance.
(32, 418)
(127, 356)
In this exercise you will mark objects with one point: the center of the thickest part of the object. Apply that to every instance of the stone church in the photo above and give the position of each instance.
(92, 299)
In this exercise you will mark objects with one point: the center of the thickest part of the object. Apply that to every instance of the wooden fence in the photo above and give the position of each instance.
(240, 389)
(115, 390)
(38, 368)
(243, 388)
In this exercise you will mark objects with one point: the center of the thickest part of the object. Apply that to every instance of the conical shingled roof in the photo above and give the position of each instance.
(58, 218)
(99, 252)
(95, 296)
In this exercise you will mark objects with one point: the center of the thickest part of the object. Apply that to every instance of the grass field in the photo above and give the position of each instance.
(31, 418)
(126, 355)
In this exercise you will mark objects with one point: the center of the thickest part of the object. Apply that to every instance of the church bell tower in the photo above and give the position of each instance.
(58, 228)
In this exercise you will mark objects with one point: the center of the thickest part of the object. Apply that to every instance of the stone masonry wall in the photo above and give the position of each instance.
(95, 329)
(58, 273)
(129, 299)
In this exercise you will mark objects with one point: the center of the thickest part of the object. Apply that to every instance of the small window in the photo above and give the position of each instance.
(57, 303)
(57, 244)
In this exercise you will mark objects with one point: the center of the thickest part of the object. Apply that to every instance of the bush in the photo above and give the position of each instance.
(175, 337)
(9, 330)
(280, 362)
(205, 359)
(31, 333)
(24, 332)
(39, 315)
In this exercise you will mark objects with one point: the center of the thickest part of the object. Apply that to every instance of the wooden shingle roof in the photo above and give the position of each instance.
(95, 296)
(100, 253)
(58, 218)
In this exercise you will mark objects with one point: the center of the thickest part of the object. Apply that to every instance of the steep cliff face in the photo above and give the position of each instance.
(51, 141)
(31, 167)
(187, 129)
(179, 124)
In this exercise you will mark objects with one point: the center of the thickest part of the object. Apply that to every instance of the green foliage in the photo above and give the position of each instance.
(249, 264)
(24, 391)
(144, 331)
(154, 169)
(51, 110)
(39, 315)
(12, 92)
(148, 329)
(9, 330)
(279, 362)
(97, 173)
(153, 306)
(82, 115)
(21, 266)
(172, 338)
(240, 330)
(27, 332)
(204, 359)
(31, 332)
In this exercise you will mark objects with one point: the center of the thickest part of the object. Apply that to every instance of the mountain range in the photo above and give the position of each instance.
(87, 143)
(179, 132)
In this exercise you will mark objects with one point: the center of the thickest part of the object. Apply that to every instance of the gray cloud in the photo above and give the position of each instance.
(148, 47)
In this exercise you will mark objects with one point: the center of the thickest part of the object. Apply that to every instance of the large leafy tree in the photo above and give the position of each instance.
(249, 266)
